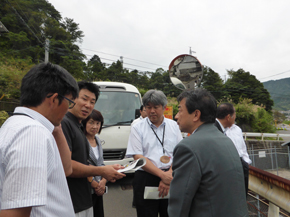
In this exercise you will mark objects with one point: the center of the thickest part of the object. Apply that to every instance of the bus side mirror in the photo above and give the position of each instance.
(137, 113)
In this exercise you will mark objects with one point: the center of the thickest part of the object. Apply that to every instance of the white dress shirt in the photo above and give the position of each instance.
(142, 140)
(31, 171)
(236, 135)
(136, 120)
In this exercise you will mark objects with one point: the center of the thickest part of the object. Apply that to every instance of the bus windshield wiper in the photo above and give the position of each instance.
(118, 123)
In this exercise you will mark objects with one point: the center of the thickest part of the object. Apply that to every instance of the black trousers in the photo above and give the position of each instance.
(246, 174)
(98, 205)
(148, 208)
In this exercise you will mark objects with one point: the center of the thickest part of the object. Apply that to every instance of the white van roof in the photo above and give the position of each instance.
(116, 85)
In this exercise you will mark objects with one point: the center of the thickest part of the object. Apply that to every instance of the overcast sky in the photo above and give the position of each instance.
(249, 34)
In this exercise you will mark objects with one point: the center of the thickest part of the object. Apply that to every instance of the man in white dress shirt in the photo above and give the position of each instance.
(226, 116)
(35, 157)
(153, 138)
(143, 115)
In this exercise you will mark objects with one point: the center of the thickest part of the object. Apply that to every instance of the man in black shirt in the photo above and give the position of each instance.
(79, 186)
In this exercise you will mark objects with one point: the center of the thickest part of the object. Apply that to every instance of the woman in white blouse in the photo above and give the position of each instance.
(92, 126)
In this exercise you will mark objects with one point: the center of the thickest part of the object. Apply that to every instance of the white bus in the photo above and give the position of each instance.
(119, 104)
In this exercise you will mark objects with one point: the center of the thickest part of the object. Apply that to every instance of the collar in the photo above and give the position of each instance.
(36, 116)
(224, 130)
(74, 119)
(152, 125)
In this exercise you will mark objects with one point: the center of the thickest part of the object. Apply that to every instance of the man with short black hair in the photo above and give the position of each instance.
(225, 122)
(207, 173)
(225, 116)
(143, 115)
(78, 182)
(34, 154)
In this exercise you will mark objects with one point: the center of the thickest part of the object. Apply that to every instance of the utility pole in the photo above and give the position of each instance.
(121, 60)
(191, 51)
(46, 48)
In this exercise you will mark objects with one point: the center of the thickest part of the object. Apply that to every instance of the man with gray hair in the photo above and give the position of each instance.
(153, 138)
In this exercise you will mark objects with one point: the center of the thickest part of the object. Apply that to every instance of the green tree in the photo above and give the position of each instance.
(242, 84)
(212, 82)
(263, 121)
(95, 70)
(253, 118)
(31, 22)
(116, 72)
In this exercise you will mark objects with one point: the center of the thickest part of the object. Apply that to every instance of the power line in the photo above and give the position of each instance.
(28, 19)
(275, 74)
(123, 63)
(124, 57)
(57, 50)
(24, 22)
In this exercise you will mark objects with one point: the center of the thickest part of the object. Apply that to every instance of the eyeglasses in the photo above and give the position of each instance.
(71, 103)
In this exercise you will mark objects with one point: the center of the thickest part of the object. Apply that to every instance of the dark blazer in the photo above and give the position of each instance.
(207, 177)
(217, 124)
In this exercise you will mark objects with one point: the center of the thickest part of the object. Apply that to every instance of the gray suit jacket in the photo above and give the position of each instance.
(93, 160)
(208, 177)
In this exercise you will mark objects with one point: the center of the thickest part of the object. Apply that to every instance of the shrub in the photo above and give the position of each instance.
(3, 117)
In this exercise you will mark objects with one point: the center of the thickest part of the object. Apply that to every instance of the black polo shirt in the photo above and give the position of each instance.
(80, 188)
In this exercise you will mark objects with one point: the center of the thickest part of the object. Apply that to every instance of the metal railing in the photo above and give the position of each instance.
(264, 136)
(269, 194)
(274, 190)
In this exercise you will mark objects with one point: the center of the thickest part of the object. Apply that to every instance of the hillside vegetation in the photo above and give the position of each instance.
(279, 91)
(31, 22)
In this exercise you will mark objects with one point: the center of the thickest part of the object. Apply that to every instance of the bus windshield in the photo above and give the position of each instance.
(118, 107)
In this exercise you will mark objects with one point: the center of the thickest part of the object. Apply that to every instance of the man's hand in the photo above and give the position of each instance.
(94, 184)
(166, 177)
(111, 174)
(18, 212)
(63, 149)
(163, 189)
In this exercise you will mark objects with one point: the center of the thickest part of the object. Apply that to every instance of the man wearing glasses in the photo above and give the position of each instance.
(78, 182)
(35, 158)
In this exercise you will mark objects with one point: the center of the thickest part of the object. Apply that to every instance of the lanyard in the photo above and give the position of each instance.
(21, 114)
(158, 137)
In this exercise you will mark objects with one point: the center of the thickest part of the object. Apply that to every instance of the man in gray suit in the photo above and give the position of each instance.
(207, 173)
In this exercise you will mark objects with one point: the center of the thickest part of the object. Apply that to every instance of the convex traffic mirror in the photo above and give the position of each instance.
(185, 72)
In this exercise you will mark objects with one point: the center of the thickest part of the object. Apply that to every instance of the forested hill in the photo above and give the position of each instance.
(280, 93)
(31, 22)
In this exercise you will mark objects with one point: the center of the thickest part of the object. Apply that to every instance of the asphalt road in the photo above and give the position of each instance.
(286, 131)
(118, 200)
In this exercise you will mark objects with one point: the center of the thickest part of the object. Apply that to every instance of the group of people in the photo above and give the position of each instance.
(52, 160)
(50, 157)
(203, 173)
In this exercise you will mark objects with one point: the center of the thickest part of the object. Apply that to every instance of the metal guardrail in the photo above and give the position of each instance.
(265, 135)
(273, 188)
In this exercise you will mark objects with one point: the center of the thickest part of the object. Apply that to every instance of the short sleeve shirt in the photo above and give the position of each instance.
(31, 171)
(142, 140)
